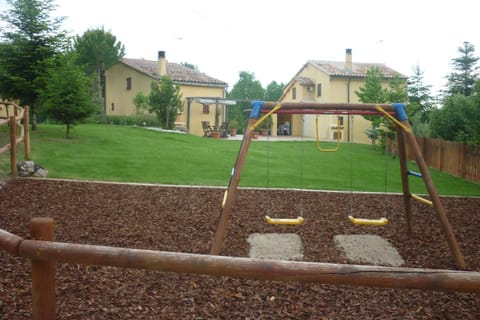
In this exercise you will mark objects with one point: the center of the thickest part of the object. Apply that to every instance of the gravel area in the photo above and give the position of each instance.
(279, 246)
(184, 220)
(368, 249)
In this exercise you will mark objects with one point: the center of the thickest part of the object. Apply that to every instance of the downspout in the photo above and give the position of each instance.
(216, 114)
(348, 101)
(189, 103)
(348, 70)
(225, 110)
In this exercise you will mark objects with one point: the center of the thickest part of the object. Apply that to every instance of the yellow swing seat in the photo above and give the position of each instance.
(369, 222)
(291, 221)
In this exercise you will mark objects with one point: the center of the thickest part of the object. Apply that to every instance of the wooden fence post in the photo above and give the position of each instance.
(13, 146)
(26, 131)
(440, 154)
(43, 273)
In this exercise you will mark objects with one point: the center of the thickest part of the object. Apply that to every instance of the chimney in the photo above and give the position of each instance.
(348, 61)
(162, 64)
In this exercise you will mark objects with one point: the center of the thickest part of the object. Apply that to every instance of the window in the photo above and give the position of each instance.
(294, 93)
(319, 89)
(206, 109)
(128, 85)
(340, 120)
(113, 106)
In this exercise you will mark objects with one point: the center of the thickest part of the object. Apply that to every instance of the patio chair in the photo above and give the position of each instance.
(223, 130)
(207, 129)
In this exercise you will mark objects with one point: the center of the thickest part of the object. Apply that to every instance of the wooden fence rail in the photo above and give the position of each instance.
(45, 253)
(15, 117)
(458, 159)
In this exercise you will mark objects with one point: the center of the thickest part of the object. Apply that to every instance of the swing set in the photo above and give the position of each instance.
(395, 113)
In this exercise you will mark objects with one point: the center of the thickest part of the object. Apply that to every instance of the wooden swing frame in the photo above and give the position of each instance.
(404, 135)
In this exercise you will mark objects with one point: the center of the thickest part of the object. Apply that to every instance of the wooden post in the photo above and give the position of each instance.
(402, 154)
(440, 155)
(232, 190)
(254, 269)
(437, 204)
(43, 273)
(13, 146)
(26, 130)
(10, 242)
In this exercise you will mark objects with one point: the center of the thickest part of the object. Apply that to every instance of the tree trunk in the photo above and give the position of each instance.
(100, 96)
(33, 117)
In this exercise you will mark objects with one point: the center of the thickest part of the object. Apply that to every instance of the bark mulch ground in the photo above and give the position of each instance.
(184, 219)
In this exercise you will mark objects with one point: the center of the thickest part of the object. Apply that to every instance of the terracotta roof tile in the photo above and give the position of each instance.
(177, 72)
(336, 68)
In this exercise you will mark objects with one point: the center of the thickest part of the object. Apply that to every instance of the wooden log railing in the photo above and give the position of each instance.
(11, 114)
(44, 254)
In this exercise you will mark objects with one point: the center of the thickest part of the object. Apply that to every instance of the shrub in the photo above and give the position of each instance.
(141, 121)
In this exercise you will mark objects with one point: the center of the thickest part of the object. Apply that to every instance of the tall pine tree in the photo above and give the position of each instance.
(465, 72)
(97, 50)
(420, 103)
(31, 37)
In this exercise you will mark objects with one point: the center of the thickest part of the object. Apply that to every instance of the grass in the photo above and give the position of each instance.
(132, 154)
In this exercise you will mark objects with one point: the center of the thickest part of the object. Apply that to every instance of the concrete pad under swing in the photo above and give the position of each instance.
(278, 246)
(367, 248)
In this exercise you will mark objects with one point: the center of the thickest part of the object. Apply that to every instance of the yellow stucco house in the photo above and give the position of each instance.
(330, 82)
(202, 94)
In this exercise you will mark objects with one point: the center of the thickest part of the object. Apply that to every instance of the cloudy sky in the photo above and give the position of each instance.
(274, 39)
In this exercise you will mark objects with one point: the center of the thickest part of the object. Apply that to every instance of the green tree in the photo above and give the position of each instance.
(247, 88)
(373, 92)
(397, 90)
(29, 38)
(450, 122)
(65, 97)
(98, 50)
(459, 118)
(165, 100)
(420, 100)
(274, 91)
(141, 103)
(473, 126)
(420, 103)
(465, 71)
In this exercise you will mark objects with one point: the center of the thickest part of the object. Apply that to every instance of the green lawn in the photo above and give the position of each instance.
(116, 153)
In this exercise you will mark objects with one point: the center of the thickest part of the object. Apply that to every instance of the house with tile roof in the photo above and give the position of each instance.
(332, 82)
(130, 76)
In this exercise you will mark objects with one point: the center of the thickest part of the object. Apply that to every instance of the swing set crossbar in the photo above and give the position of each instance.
(331, 112)
(369, 222)
(288, 221)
